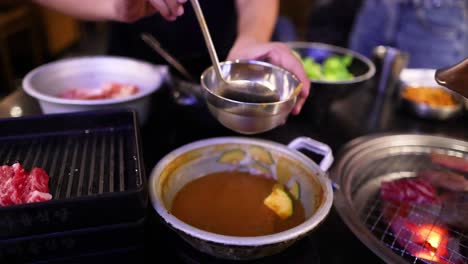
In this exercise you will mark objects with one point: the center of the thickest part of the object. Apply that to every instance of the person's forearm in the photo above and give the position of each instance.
(256, 19)
(82, 9)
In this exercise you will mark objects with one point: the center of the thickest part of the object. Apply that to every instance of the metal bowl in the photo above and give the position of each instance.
(47, 81)
(250, 117)
(200, 158)
(361, 67)
(425, 77)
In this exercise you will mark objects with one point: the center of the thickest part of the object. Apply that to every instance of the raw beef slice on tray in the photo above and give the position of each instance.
(19, 187)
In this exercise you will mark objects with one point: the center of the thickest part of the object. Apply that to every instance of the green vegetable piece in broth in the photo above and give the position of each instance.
(233, 156)
(279, 202)
(260, 154)
(295, 190)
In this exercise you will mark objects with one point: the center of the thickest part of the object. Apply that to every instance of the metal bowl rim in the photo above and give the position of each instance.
(254, 62)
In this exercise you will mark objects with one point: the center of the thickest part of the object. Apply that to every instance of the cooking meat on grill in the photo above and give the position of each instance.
(451, 162)
(18, 187)
(408, 190)
(445, 179)
(412, 208)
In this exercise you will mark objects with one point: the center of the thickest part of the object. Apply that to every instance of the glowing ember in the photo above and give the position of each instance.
(433, 239)
(410, 208)
(427, 256)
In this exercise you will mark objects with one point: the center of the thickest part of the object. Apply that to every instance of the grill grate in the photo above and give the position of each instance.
(399, 165)
(380, 227)
(361, 167)
(87, 162)
(94, 162)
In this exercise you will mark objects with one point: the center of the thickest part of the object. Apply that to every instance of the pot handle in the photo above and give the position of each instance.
(316, 147)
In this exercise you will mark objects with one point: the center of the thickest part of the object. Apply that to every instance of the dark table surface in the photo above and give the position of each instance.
(171, 125)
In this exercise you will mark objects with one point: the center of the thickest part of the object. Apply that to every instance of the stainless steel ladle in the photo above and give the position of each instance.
(238, 90)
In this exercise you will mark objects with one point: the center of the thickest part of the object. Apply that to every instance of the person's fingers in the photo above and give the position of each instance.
(129, 11)
(299, 104)
(163, 9)
(301, 99)
(150, 9)
(175, 8)
(282, 56)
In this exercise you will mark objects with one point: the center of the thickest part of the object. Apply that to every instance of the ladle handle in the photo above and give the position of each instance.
(153, 43)
(207, 36)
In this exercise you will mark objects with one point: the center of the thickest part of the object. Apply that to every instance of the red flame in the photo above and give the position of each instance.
(433, 239)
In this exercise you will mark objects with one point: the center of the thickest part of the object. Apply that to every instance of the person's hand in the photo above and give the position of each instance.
(133, 10)
(278, 54)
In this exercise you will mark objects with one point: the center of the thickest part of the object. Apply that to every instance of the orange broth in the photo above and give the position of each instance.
(231, 203)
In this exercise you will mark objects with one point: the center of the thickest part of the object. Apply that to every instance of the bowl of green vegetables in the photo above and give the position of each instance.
(333, 69)
(334, 73)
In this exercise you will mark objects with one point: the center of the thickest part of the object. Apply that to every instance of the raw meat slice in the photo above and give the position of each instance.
(18, 187)
(451, 162)
(6, 176)
(6, 191)
(106, 91)
(6, 172)
(15, 189)
(37, 196)
(408, 190)
(413, 214)
(117, 90)
(38, 180)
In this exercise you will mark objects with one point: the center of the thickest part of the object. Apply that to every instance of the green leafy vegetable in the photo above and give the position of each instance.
(334, 68)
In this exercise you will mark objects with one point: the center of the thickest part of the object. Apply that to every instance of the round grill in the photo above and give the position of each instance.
(361, 168)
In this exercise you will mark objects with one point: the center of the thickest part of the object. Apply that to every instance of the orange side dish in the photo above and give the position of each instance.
(432, 96)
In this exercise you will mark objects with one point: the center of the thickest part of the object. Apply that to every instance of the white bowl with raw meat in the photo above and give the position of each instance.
(96, 82)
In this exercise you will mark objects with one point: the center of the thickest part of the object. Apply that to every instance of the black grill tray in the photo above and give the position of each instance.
(95, 166)
(65, 245)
